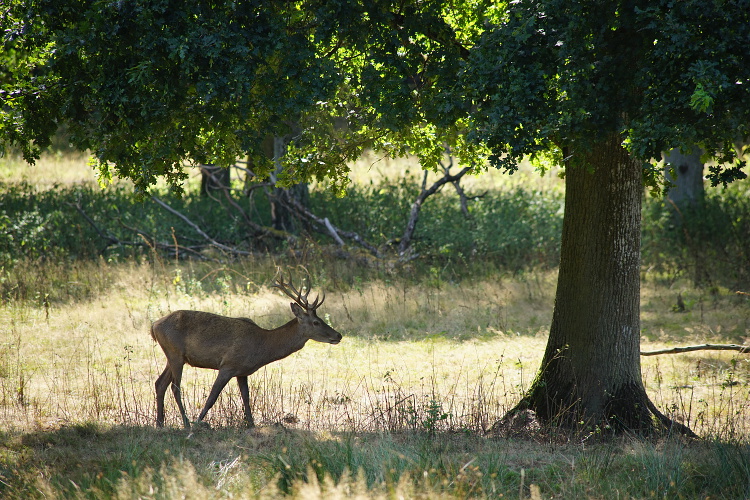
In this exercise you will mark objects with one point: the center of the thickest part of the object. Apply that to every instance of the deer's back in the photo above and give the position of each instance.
(198, 331)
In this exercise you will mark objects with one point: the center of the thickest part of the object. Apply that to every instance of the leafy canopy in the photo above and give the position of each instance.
(660, 74)
(153, 85)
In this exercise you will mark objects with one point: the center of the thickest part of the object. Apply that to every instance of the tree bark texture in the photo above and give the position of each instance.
(685, 197)
(591, 370)
(282, 218)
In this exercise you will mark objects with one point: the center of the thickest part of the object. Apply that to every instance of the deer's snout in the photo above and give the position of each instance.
(336, 338)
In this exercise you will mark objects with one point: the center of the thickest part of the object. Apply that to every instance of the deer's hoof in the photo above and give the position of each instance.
(200, 425)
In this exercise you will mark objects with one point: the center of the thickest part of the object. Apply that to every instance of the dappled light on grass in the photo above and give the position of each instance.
(445, 356)
(400, 405)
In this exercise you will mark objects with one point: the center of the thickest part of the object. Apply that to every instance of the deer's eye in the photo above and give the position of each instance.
(316, 323)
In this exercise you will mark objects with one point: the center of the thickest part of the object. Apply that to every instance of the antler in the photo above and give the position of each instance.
(296, 295)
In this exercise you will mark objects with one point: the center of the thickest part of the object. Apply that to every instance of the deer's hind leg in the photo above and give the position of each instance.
(161, 388)
(176, 369)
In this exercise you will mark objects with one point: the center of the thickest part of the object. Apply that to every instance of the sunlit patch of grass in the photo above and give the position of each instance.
(96, 360)
(429, 361)
(50, 170)
(432, 357)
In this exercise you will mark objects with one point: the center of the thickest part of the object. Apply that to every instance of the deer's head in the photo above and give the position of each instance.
(310, 325)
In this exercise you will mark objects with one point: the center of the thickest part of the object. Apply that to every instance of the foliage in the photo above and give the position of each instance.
(47, 224)
(708, 241)
(207, 82)
(518, 229)
(514, 230)
(661, 75)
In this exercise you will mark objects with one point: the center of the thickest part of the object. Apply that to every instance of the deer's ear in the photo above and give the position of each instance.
(297, 310)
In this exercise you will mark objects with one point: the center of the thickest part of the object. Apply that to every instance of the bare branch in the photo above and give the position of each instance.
(232, 250)
(350, 235)
(108, 237)
(149, 241)
(411, 225)
(333, 232)
(703, 347)
(260, 231)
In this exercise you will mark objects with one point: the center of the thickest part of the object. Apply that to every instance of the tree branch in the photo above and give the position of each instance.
(703, 347)
(333, 230)
(150, 242)
(232, 250)
(259, 231)
(411, 225)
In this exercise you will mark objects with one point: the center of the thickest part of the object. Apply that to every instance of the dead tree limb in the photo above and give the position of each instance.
(462, 198)
(703, 347)
(411, 225)
(149, 241)
(332, 230)
(108, 237)
(228, 249)
(259, 231)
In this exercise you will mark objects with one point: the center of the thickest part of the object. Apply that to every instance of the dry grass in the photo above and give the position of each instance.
(411, 354)
(404, 346)
(73, 168)
(50, 170)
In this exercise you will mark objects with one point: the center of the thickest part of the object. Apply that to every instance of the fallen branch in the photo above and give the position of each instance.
(148, 240)
(151, 243)
(334, 231)
(744, 349)
(232, 250)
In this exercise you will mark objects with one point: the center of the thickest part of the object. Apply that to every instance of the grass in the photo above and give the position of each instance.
(430, 360)
(398, 408)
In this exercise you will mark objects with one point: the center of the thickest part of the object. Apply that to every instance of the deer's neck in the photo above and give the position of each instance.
(286, 339)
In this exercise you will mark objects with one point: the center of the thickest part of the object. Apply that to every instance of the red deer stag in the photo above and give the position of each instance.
(237, 347)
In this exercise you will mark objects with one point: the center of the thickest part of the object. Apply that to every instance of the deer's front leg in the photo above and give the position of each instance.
(245, 393)
(221, 381)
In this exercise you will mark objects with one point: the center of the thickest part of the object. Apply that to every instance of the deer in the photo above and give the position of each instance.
(236, 347)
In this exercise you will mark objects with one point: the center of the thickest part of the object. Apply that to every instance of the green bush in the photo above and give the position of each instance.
(508, 230)
(708, 242)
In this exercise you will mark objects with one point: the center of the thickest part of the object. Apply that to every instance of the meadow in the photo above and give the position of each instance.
(435, 351)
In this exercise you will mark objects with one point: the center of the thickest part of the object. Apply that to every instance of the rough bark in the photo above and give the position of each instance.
(591, 369)
(282, 218)
(685, 172)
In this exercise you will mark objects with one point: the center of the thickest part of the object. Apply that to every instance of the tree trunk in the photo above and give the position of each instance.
(282, 218)
(687, 180)
(591, 371)
(685, 197)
